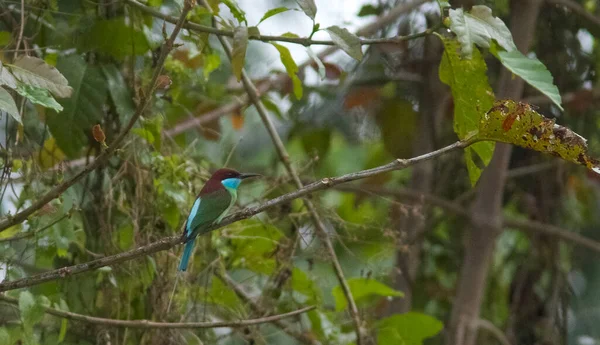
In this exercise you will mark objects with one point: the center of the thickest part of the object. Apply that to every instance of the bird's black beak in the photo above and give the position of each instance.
(245, 176)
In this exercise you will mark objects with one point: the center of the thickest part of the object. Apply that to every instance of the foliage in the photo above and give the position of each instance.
(85, 74)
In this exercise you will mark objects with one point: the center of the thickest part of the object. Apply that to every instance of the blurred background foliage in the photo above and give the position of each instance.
(360, 115)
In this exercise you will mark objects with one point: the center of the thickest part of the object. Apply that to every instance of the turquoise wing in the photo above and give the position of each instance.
(205, 211)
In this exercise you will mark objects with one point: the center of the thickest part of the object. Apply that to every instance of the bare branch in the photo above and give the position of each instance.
(169, 242)
(269, 38)
(152, 324)
(145, 100)
(285, 159)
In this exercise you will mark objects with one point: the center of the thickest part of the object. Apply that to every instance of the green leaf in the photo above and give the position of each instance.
(238, 55)
(270, 13)
(346, 41)
(362, 288)
(119, 92)
(236, 11)
(63, 331)
(36, 72)
(290, 35)
(519, 124)
(532, 71)
(407, 329)
(7, 104)
(82, 111)
(472, 97)
(5, 38)
(211, 63)
(370, 10)
(116, 38)
(272, 107)
(291, 68)
(39, 96)
(479, 27)
(31, 309)
(309, 7)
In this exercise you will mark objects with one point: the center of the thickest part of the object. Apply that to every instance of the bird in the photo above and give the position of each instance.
(212, 204)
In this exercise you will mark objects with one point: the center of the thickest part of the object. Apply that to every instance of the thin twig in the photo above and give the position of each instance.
(35, 232)
(169, 242)
(453, 207)
(153, 324)
(285, 159)
(21, 216)
(21, 29)
(267, 38)
(257, 308)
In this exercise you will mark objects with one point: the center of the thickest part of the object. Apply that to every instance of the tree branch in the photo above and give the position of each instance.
(152, 324)
(35, 232)
(285, 159)
(577, 9)
(452, 207)
(20, 217)
(269, 38)
(305, 338)
(171, 241)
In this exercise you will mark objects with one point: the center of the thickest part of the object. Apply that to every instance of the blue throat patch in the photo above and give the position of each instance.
(232, 183)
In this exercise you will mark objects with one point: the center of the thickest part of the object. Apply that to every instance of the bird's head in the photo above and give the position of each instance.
(230, 178)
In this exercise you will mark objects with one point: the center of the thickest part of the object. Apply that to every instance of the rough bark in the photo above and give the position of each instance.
(487, 207)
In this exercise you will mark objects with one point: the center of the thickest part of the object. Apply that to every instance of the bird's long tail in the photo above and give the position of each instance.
(185, 258)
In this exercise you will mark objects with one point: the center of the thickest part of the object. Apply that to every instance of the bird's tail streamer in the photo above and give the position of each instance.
(185, 258)
(179, 273)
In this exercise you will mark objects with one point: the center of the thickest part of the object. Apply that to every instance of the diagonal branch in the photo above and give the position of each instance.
(20, 217)
(169, 242)
(305, 41)
(285, 159)
(152, 324)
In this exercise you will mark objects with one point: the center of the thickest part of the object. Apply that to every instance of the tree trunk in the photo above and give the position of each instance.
(487, 208)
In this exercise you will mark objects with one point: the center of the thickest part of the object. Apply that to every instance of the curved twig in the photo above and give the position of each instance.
(152, 324)
(305, 41)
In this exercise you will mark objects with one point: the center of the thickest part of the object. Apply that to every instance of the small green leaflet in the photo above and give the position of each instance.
(479, 27)
(211, 63)
(7, 104)
(309, 7)
(291, 68)
(236, 11)
(270, 13)
(346, 41)
(362, 288)
(238, 54)
(119, 92)
(39, 96)
(408, 329)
